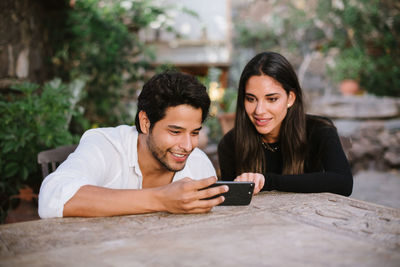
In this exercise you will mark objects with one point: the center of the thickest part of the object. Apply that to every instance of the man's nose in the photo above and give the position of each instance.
(186, 143)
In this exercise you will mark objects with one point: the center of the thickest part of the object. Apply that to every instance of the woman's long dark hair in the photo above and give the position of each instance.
(292, 133)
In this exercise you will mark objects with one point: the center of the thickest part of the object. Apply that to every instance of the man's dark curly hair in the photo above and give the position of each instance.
(171, 89)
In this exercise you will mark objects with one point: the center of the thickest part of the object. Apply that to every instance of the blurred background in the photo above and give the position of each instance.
(70, 65)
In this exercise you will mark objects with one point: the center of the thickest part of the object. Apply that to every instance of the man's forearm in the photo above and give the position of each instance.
(183, 196)
(93, 201)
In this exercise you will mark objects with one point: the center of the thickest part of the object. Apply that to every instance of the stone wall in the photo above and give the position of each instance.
(24, 44)
(371, 124)
(375, 144)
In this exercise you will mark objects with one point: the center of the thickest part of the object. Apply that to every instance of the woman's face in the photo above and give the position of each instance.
(266, 104)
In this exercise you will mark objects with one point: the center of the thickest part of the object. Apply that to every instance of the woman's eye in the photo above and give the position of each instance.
(272, 99)
(249, 99)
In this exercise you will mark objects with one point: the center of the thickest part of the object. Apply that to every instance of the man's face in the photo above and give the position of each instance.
(173, 138)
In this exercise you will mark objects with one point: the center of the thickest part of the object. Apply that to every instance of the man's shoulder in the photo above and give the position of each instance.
(198, 163)
(197, 154)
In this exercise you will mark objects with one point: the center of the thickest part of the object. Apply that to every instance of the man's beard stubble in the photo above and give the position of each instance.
(159, 154)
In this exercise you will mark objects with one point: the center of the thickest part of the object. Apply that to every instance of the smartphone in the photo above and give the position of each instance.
(239, 194)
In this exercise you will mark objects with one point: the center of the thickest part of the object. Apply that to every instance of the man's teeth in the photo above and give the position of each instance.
(179, 155)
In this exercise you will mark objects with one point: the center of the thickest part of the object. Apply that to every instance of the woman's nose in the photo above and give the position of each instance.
(260, 108)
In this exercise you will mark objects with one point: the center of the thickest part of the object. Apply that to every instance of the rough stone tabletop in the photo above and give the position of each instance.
(276, 229)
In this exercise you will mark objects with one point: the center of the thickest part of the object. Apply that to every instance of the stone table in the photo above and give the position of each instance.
(276, 229)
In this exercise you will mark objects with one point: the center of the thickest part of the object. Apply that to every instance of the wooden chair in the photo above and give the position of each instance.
(54, 157)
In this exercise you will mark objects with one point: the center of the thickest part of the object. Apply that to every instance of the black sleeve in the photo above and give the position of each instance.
(335, 178)
(226, 157)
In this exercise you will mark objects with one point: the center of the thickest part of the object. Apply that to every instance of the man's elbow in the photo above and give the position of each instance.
(47, 208)
(45, 213)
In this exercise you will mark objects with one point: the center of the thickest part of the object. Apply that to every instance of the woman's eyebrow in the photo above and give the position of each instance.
(272, 94)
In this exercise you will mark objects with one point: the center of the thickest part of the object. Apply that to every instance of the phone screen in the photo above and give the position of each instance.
(239, 194)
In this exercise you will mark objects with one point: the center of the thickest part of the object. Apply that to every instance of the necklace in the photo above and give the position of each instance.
(269, 147)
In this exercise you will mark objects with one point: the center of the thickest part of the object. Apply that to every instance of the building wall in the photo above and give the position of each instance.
(24, 42)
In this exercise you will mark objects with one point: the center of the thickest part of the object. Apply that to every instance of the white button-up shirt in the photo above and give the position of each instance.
(106, 157)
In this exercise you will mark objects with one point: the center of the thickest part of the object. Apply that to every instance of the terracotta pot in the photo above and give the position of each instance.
(349, 87)
(27, 209)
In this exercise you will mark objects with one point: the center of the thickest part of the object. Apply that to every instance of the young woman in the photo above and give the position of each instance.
(274, 143)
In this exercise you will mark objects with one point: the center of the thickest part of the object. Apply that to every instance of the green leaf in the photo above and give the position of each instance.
(11, 169)
(9, 146)
(25, 173)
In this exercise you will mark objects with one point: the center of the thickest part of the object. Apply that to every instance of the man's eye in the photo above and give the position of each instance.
(174, 132)
(195, 133)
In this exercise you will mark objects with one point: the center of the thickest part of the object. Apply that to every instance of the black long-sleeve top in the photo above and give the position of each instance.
(326, 168)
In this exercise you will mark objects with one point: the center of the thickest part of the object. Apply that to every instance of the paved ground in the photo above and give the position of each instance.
(378, 187)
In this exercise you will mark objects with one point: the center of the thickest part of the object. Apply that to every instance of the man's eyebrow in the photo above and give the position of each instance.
(176, 127)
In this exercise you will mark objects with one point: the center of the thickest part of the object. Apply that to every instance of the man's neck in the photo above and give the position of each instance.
(154, 174)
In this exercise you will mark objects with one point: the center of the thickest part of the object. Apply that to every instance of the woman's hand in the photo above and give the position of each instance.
(257, 178)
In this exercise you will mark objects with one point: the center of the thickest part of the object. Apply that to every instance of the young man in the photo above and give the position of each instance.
(154, 166)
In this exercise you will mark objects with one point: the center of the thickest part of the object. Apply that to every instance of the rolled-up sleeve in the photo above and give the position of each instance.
(86, 166)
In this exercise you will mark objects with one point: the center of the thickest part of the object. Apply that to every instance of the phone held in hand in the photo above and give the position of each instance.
(239, 194)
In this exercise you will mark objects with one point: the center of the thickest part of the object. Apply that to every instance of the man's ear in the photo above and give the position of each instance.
(144, 122)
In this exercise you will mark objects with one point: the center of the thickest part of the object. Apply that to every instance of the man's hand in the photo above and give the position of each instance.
(186, 196)
(257, 178)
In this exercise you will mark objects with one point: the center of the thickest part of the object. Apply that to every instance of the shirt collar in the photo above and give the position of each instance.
(132, 151)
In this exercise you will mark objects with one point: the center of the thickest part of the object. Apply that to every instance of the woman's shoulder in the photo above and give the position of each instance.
(318, 120)
(319, 126)
(315, 121)
(227, 140)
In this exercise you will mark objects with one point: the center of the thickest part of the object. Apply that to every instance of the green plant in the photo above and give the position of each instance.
(223, 100)
(367, 35)
(32, 119)
(360, 37)
(228, 102)
(100, 39)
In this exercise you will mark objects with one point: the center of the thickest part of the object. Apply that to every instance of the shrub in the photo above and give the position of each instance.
(32, 119)
(362, 36)
(100, 40)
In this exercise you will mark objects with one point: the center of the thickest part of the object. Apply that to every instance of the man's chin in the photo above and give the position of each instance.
(176, 167)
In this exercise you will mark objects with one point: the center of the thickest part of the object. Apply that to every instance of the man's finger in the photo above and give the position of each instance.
(202, 204)
(213, 191)
(209, 203)
(203, 183)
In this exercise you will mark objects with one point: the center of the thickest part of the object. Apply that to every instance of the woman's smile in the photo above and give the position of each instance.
(261, 121)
